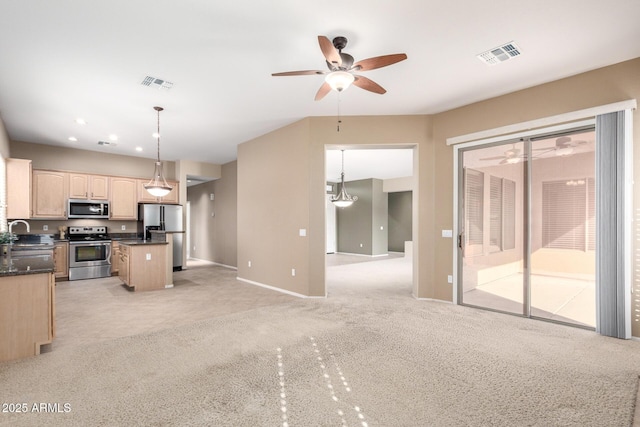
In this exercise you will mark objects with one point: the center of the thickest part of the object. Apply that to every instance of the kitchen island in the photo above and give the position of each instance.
(27, 308)
(143, 265)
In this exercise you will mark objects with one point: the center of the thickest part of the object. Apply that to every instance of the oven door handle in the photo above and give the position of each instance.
(109, 254)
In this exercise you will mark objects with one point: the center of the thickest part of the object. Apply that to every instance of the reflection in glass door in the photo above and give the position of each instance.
(492, 237)
(527, 242)
(563, 224)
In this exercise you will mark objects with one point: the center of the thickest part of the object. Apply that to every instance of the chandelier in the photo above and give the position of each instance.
(343, 199)
(158, 186)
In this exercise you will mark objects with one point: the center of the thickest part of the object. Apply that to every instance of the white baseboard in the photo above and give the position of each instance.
(431, 299)
(273, 288)
(364, 255)
(231, 267)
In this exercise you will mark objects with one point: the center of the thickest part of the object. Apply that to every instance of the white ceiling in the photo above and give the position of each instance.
(64, 59)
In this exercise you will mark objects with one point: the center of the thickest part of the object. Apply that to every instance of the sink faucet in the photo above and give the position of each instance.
(12, 223)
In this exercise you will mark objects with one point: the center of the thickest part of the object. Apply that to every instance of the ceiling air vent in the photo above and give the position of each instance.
(107, 143)
(157, 83)
(500, 54)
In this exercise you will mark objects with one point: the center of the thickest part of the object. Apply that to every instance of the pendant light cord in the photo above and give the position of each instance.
(158, 109)
(339, 120)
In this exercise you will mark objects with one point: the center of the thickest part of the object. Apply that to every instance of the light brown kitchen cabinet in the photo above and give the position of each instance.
(27, 314)
(143, 266)
(61, 260)
(124, 200)
(50, 191)
(123, 264)
(92, 187)
(115, 258)
(145, 197)
(18, 188)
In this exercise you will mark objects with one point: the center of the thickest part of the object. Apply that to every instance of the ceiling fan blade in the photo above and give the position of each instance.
(330, 53)
(323, 91)
(378, 62)
(493, 158)
(300, 73)
(367, 84)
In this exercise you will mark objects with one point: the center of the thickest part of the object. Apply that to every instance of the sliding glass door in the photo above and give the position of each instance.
(563, 228)
(492, 240)
(527, 227)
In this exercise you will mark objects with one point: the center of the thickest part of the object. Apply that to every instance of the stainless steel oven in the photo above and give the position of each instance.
(89, 253)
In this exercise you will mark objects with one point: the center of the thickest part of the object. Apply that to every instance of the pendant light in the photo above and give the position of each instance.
(158, 186)
(343, 199)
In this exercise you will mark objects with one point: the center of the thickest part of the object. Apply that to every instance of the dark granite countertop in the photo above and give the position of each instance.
(20, 266)
(123, 236)
(141, 242)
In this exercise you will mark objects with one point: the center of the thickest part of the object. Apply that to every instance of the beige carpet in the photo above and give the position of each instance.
(368, 355)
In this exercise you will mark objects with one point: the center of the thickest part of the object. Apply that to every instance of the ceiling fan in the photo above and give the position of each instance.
(563, 146)
(342, 69)
(512, 155)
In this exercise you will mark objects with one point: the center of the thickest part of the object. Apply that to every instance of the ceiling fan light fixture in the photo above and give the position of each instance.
(513, 160)
(158, 186)
(564, 151)
(339, 80)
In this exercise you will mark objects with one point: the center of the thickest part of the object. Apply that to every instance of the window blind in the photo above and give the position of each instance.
(474, 205)
(495, 209)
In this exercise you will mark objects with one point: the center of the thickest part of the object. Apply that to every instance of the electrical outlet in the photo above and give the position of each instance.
(45, 227)
(449, 279)
(148, 257)
(124, 227)
(249, 264)
(360, 244)
(293, 271)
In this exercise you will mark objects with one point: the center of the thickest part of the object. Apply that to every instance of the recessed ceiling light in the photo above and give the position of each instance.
(73, 139)
(81, 121)
(113, 137)
(138, 148)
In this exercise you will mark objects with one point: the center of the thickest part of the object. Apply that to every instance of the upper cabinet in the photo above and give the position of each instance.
(145, 197)
(123, 198)
(44, 194)
(18, 188)
(92, 187)
(49, 194)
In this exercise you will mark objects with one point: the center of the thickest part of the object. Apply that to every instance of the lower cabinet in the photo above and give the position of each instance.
(27, 314)
(123, 264)
(143, 266)
(61, 260)
(115, 258)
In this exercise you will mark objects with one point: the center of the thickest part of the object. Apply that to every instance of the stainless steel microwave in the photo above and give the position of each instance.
(80, 208)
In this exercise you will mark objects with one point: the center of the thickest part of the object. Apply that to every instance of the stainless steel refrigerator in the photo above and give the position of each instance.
(166, 218)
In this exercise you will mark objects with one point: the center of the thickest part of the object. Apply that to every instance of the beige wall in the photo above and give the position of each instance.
(4, 140)
(281, 188)
(72, 159)
(607, 85)
(215, 237)
(273, 205)
(277, 160)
